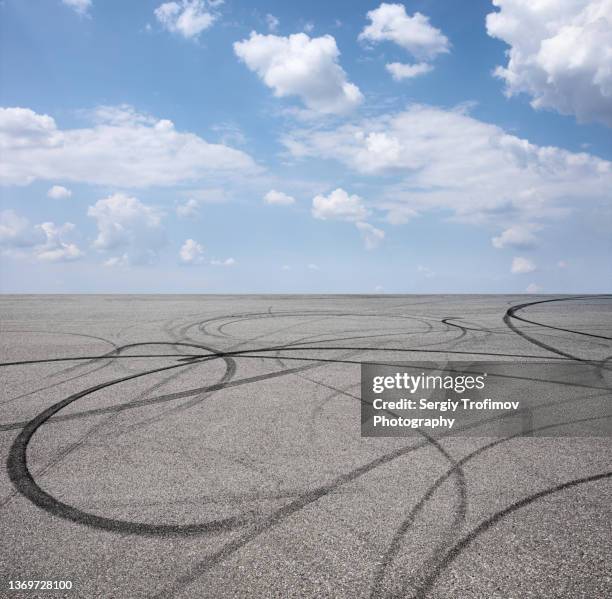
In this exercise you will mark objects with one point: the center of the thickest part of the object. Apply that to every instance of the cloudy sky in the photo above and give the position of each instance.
(238, 146)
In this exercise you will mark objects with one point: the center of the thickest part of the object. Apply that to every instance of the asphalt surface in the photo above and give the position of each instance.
(209, 446)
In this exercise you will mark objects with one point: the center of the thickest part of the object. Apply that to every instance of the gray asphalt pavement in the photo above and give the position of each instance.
(210, 446)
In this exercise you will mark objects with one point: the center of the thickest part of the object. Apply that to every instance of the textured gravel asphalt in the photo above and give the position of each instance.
(210, 446)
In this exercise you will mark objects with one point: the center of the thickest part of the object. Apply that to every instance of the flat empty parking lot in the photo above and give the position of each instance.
(210, 446)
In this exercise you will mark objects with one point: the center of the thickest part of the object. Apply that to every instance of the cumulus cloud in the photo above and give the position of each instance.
(191, 252)
(57, 192)
(401, 71)
(372, 237)
(56, 248)
(17, 232)
(301, 66)
(389, 22)
(24, 129)
(533, 288)
(560, 54)
(517, 236)
(313, 267)
(80, 6)
(125, 222)
(123, 148)
(522, 266)
(45, 242)
(339, 205)
(278, 198)
(435, 159)
(190, 207)
(187, 18)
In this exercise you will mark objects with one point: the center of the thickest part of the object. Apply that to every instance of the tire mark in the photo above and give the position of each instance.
(490, 522)
(395, 545)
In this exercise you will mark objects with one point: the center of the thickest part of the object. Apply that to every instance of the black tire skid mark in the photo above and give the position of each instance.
(188, 405)
(352, 348)
(318, 407)
(490, 522)
(233, 546)
(23, 481)
(323, 316)
(510, 314)
(281, 347)
(65, 370)
(229, 374)
(286, 511)
(404, 527)
(64, 452)
(282, 313)
(395, 546)
(198, 399)
(456, 470)
(319, 316)
(514, 309)
(25, 484)
(214, 387)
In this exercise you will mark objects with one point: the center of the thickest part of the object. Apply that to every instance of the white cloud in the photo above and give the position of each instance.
(285, 267)
(313, 267)
(517, 236)
(57, 192)
(522, 266)
(187, 18)
(55, 248)
(46, 242)
(16, 231)
(401, 71)
(24, 129)
(191, 252)
(299, 65)
(560, 54)
(278, 198)
(226, 262)
(126, 223)
(272, 22)
(372, 237)
(188, 208)
(389, 22)
(562, 264)
(123, 149)
(339, 205)
(435, 159)
(80, 6)
(533, 288)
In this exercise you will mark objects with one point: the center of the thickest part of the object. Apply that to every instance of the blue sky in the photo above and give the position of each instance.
(320, 147)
